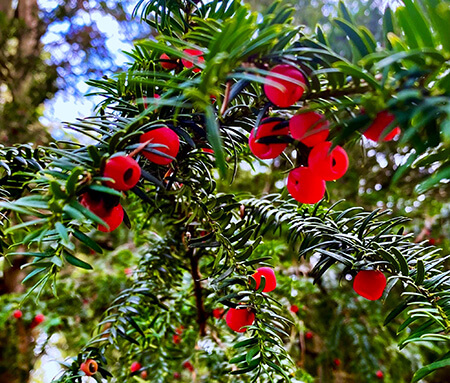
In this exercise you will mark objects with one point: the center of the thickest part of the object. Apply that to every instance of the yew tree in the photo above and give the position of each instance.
(210, 297)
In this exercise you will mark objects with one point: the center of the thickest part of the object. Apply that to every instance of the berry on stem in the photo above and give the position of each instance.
(95, 203)
(269, 275)
(330, 166)
(163, 136)
(378, 126)
(369, 284)
(305, 186)
(113, 218)
(337, 362)
(281, 92)
(17, 314)
(309, 335)
(89, 367)
(167, 63)
(144, 374)
(125, 172)
(238, 318)
(135, 366)
(176, 339)
(218, 313)
(267, 129)
(188, 366)
(379, 374)
(38, 319)
(310, 128)
(196, 58)
(294, 309)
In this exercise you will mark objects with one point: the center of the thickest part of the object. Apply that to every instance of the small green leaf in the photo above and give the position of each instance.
(76, 261)
(214, 138)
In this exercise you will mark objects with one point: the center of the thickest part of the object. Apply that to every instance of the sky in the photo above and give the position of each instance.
(67, 106)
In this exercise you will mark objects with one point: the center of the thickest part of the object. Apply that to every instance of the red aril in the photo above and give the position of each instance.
(94, 202)
(328, 165)
(17, 314)
(167, 63)
(267, 129)
(370, 284)
(281, 92)
(163, 136)
(218, 313)
(237, 319)
(135, 366)
(125, 172)
(196, 58)
(113, 218)
(269, 275)
(305, 186)
(379, 374)
(309, 128)
(294, 309)
(89, 367)
(381, 122)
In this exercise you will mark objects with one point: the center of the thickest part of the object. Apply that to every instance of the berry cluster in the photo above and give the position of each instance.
(238, 319)
(125, 173)
(284, 86)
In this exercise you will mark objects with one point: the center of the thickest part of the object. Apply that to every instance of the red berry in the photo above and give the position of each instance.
(39, 318)
(17, 314)
(179, 330)
(218, 313)
(238, 318)
(269, 275)
(337, 362)
(144, 374)
(309, 128)
(305, 186)
(328, 165)
(113, 218)
(188, 366)
(370, 284)
(266, 129)
(167, 63)
(432, 241)
(381, 122)
(176, 375)
(124, 171)
(128, 271)
(94, 203)
(89, 367)
(196, 57)
(135, 366)
(309, 335)
(176, 339)
(285, 93)
(162, 136)
(294, 309)
(379, 374)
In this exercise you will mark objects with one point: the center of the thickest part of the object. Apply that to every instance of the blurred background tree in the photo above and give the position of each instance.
(53, 47)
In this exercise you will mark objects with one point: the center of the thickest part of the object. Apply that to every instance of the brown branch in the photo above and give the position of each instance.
(202, 316)
(226, 98)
